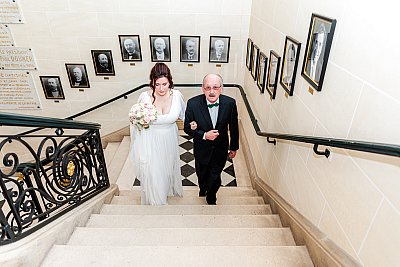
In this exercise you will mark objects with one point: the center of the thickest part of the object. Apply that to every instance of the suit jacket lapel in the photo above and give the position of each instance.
(221, 110)
(204, 110)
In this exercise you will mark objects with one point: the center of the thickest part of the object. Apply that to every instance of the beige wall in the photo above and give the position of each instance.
(64, 31)
(352, 196)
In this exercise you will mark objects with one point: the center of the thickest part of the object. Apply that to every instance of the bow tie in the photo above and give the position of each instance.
(213, 105)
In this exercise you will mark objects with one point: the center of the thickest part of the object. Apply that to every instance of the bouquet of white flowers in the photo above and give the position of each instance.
(142, 114)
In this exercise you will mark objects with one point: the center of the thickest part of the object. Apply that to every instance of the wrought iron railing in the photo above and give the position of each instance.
(44, 176)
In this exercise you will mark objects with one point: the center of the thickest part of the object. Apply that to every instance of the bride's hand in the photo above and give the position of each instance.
(193, 125)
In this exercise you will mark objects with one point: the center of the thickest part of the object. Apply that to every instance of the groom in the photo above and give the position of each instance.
(213, 113)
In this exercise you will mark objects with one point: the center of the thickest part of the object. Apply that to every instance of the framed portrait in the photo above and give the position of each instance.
(291, 54)
(248, 53)
(52, 87)
(190, 48)
(254, 61)
(261, 71)
(219, 49)
(103, 62)
(319, 42)
(273, 72)
(130, 47)
(77, 75)
(160, 47)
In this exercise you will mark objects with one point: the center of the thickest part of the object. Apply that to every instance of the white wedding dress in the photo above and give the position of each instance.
(155, 153)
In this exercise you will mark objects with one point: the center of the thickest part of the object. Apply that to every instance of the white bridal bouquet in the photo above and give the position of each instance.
(142, 114)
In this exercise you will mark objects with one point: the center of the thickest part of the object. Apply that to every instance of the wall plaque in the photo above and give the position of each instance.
(17, 90)
(6, 38)
(17, 58)
(9, 12)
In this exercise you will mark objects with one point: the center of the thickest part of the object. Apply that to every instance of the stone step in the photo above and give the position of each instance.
(182, 237)
(183, 221)
(194, 192)
(186, 210)
(272, 256)
(192, 200)
(110, 150)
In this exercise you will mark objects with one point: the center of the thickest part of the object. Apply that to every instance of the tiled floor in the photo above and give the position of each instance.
(189, 177)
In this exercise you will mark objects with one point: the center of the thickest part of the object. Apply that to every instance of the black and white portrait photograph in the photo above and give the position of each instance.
(273, 72)
(130, 47)
(255, 53)
(160, 47)
(103, 62)
(219, 49)
(52, 87)
(77, 75)
(261, 71)
(248, 53)
(190, 48)
(290, 61)
(319, 44)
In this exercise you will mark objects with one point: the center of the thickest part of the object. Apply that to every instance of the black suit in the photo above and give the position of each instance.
(166, 56)
(127, 56)
(185, 57)
(210, 156)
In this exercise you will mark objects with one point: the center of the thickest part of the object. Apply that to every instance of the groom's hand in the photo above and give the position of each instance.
(212, 134)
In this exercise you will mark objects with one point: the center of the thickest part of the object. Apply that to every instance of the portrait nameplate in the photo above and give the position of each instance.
(17, 91)
(10, 12)
(6, 38)
(17, 58)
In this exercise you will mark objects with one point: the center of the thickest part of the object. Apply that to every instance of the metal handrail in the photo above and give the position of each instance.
(370, 147)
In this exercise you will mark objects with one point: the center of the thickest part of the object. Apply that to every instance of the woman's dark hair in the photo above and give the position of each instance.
(158, 71)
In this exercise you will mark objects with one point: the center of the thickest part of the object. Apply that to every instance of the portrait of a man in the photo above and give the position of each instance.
(273, 69)
(190, 48)
(319, 43)
(77, 75)
(130, 47)
(160, 48)
(52, 87)
(289, 67)
(103, 62)
(219, 49)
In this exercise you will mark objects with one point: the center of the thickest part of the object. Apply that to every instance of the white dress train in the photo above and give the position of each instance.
(155, 153)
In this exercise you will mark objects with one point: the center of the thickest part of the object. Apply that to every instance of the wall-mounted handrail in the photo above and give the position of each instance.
(370, 147)
(12, 119)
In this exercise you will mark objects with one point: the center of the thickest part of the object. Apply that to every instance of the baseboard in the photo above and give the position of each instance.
(323, 251)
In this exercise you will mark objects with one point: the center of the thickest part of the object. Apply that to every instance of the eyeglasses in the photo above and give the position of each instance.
(215, 88)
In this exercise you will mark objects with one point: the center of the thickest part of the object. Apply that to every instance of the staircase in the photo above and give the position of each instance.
(239, 231)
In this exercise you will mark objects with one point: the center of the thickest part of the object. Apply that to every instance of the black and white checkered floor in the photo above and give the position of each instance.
(188, 173)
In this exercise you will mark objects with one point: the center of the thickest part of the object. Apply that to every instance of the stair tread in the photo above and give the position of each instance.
(184, 221)
(186, 209)
(282, 256)
(182, 236)
(191, 200)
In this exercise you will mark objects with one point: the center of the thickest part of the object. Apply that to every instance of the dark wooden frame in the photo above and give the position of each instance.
(183, 40)
(44, 79)
(82, 67)
(227, 43)
(261, 71)
(288, 86)
(271, 88)
(136, 39)
(255, 53)
(96, 64)
(325, 26)
(167, 49)
(248, 53)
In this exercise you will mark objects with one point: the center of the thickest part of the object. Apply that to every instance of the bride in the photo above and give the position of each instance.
(155, 150)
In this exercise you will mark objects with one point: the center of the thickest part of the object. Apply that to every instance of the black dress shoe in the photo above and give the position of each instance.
(211, 200)
(202, 193)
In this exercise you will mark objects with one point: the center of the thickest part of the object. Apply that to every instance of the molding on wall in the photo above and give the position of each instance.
(323, 251)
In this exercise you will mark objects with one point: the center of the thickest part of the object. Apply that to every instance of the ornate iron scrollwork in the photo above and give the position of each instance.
(40, 184)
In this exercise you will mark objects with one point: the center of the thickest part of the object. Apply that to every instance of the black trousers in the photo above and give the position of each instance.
(209, 178)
